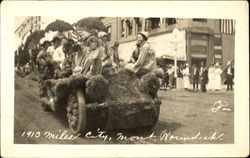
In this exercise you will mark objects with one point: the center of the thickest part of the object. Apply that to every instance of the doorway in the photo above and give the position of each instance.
(197, 61)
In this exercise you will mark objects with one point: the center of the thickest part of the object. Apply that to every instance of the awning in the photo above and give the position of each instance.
(164, 46)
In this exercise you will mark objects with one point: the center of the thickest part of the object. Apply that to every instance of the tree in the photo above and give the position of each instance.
(33, 39)
(59, 26)
(23, 56)
(91, 25)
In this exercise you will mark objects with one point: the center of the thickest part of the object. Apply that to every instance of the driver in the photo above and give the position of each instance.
(143, 57)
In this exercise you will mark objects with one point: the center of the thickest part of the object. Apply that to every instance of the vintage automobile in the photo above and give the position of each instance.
(109, 101)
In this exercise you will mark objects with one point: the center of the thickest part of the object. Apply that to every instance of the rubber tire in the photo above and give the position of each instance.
(82, 116)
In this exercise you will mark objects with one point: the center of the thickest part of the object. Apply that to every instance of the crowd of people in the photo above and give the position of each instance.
(202, 79)
(89, 55)
(85, 54)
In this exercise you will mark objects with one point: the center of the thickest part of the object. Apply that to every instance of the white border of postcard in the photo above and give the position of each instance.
(237, 10)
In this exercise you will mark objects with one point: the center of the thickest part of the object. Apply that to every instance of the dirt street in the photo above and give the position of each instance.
(185, 117)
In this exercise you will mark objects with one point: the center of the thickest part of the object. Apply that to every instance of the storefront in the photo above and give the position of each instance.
(204, 47)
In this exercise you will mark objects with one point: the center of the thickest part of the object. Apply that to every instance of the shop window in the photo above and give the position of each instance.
(170, 21)
(200, 20)
(138, 22)
(109, 30)
(129, 23)
(155, 23)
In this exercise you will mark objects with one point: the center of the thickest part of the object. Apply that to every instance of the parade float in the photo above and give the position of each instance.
(109, 101)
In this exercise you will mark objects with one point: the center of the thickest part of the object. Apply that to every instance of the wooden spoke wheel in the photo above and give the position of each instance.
(76, 112)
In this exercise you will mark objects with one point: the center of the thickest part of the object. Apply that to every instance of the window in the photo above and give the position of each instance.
(138, 22)
(155, 23)
(129, 23)
(200, 20)
(122, 29)
(170, 21)
(109, 30)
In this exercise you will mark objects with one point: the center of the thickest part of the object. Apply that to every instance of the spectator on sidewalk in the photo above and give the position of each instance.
(210, 85)
(165, 78)
(229, 76)
(185, 73)
(33, 52)
(203, 77)
(217, 77)
(171, 75)
(195, 77)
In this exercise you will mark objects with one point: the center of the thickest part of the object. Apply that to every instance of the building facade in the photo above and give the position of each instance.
(29, 25)
(207, 40)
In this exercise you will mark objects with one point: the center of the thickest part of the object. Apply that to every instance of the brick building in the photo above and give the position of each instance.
(208, 40)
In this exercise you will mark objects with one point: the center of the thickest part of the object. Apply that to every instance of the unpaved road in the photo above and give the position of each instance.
(185, 117)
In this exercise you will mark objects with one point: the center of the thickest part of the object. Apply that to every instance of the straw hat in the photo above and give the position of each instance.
(144, 34)
(92, 38)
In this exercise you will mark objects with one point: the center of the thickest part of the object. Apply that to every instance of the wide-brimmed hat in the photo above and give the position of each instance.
(144, 34)
(92, 38)
(102, 34)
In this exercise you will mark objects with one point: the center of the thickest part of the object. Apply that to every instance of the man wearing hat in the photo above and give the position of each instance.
(195, 74)
(203, 77)
(143, 56)
(229, 76)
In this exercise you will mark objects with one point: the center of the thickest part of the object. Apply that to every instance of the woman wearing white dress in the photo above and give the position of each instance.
(210, 85)
(185, 73)
(217, 77)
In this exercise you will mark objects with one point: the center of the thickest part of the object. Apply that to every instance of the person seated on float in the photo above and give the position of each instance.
(68, 63)
(143, 57)
(55, 43)
(105, 50)
(90, 62)
(58, 54)
(44, 45)
(43, 55)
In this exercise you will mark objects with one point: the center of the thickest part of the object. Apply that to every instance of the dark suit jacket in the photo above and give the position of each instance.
(195, 73)
(232, 71)
(204, 74)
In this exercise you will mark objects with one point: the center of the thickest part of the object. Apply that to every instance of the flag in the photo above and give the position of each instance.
(227, 26)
